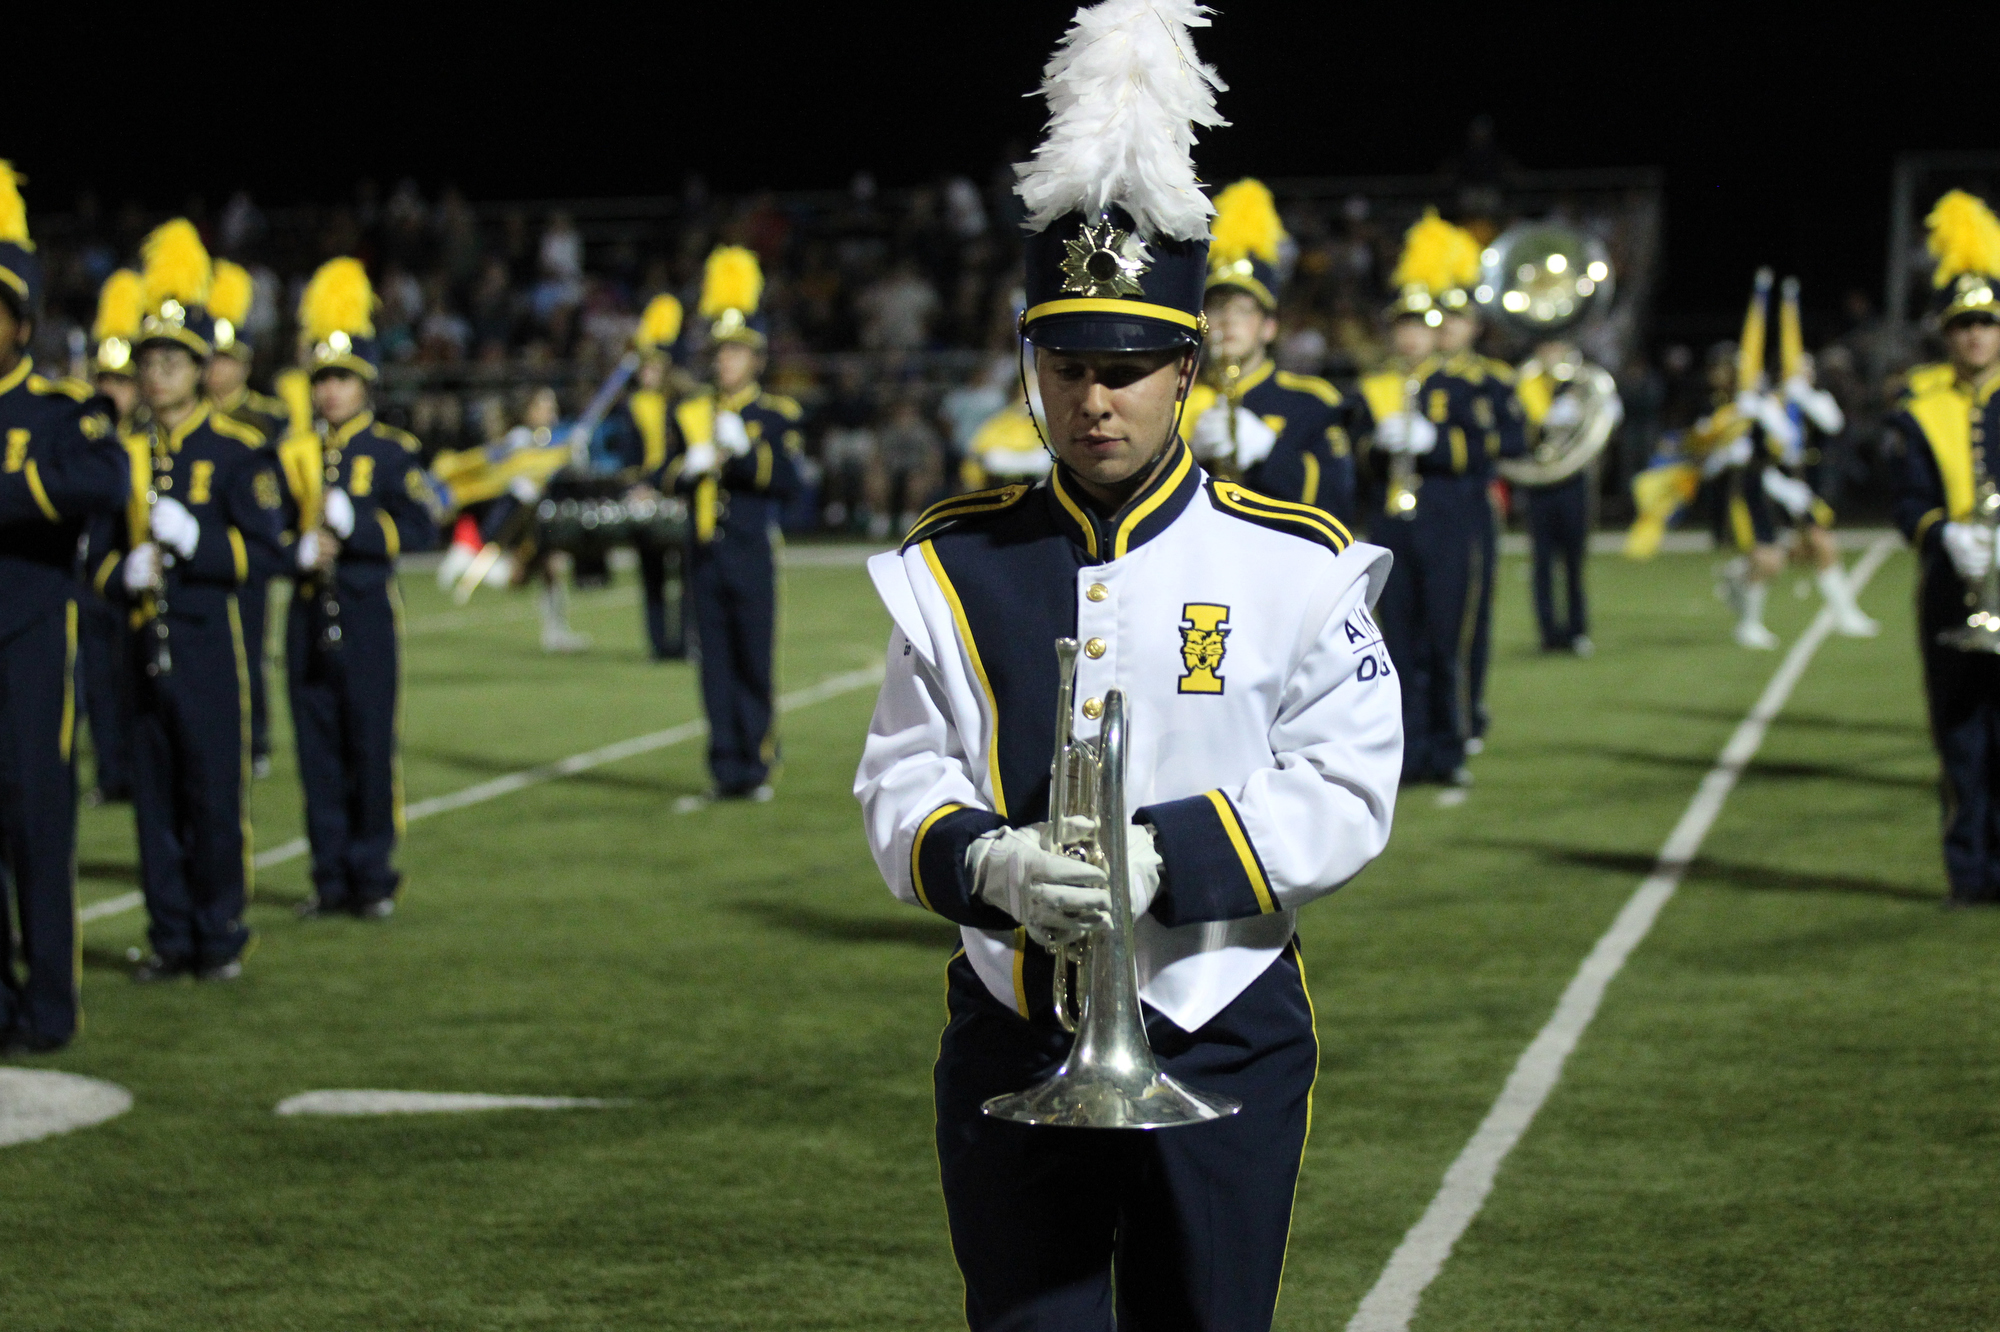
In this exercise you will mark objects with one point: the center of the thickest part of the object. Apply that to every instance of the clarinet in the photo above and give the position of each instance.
(159, 657)
(327, 584)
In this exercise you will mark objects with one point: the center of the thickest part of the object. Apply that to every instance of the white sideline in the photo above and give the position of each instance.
(831, 687)
(1392, 1303)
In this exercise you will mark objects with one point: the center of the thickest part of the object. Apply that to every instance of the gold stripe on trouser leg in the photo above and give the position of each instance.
(1299, 959)
(243, 740)
(66, 737)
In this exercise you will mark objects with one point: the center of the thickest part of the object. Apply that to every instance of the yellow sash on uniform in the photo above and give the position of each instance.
(1945, 413)
(1537, 393)
(649, 413)
(696, 418)
(1386, 392)
(304, 461)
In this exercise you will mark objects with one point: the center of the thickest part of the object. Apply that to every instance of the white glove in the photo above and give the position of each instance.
(1252, 444)
(142, 568)
(1819, 406)
(338, 513)
(1970, 546)
(1795, 495)
(1058, 899)
(1406, 432)
(700, 460)
(1734, 454)
(730, 435)
(1142, 866)
(1210, 437)
(309, 552)
(175, 528)
(521, 488)
(1563, 413)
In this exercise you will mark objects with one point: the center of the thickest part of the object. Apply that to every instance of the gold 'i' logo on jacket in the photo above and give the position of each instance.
(1204, 639)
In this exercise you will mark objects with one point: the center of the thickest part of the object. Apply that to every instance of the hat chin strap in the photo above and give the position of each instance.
(1190, 358)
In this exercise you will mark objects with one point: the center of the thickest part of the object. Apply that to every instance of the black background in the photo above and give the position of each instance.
(1776, 130)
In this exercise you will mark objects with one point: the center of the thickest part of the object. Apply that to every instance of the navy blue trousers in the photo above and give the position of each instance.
(1193, 1221)
(344, 712)
(38, 826)
(665, 599)
(104, 651)
(1428, 613)
(190, 751)
(732, 582)
(1559, 532)
(1963, 690)
(253, 604)
(1481, 654)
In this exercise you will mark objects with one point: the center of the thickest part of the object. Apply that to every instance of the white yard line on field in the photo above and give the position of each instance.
(831, 687)
(1392, 1303)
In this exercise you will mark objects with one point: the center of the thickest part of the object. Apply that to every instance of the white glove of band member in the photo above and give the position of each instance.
(338, 513)
(1406, 432)
(1734, 454)
(1765, 410)
(1816, 403)
(521, 488)
(1795, 495)
(730, 434)
(1143, 866)
(1252, 444)
(1970, 546)
(1057, 898)
(174, 527)
(142, 568)
(309, 552)
(1563, 413)
(700, 460)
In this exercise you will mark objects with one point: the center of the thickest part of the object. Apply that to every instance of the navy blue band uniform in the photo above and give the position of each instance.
(1507, 439)
(1431, 609)
(61, 466)
(346, 694)
(191, 721)
(1312, 461)
(269, 417)
(732, 573)
(1262, 751)
(640, 438)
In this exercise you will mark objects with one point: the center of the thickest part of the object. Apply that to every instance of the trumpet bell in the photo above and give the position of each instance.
(1135, 1097)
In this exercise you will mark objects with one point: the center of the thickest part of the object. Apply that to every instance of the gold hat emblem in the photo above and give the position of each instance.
(1104, 261)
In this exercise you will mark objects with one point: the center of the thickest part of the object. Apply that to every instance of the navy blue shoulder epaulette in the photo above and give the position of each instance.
(1299, 520)
(949, 513)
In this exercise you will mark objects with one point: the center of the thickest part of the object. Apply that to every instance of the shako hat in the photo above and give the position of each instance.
(178, 273)
(1243, 243)
(121, 304)
(1117, 248)
(337, 320)
(229, 297)
(732, 286)
(1965, 241)
(20, 270)
(1438, 264)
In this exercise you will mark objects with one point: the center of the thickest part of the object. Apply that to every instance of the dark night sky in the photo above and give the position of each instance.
(1776, 134)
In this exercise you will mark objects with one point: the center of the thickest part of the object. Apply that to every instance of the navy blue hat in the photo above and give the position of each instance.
(1096, 285)
(186, 326)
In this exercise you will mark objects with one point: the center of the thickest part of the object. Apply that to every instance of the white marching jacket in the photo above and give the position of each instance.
(1265, 722)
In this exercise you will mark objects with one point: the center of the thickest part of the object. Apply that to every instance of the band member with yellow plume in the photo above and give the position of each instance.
(1488, 386)
(356, 498)
(62, 467)
(1281, 434)
(204, 511)
(639, 438)
(739, 468)
(1233, 631)
(105, 648)
(1948, 505)
(1441, 433)
(228, 384)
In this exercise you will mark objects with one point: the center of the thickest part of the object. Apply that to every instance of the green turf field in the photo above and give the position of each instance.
(1786, 1116)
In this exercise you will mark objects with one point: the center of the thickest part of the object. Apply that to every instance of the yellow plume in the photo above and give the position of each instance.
(229, 295)
(1436, 255)
(338, 300)
(1965, 237)
(177, 264)
(660, 324)
(121, 304)
(731, 281)
(13, 212)
(1246, 225)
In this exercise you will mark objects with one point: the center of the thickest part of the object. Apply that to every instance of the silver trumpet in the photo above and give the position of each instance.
(1110, 1079)
(1981, 630)
(1404, 483)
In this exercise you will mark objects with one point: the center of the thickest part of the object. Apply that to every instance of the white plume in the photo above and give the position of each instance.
(1125, 93)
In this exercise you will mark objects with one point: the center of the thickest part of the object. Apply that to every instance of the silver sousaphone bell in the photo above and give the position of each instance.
(1110, 1079)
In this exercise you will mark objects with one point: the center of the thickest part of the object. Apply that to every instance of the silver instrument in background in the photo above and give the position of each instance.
(1110, 1079)
(1564, 450)
(1540, 278)
(1981, 630)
